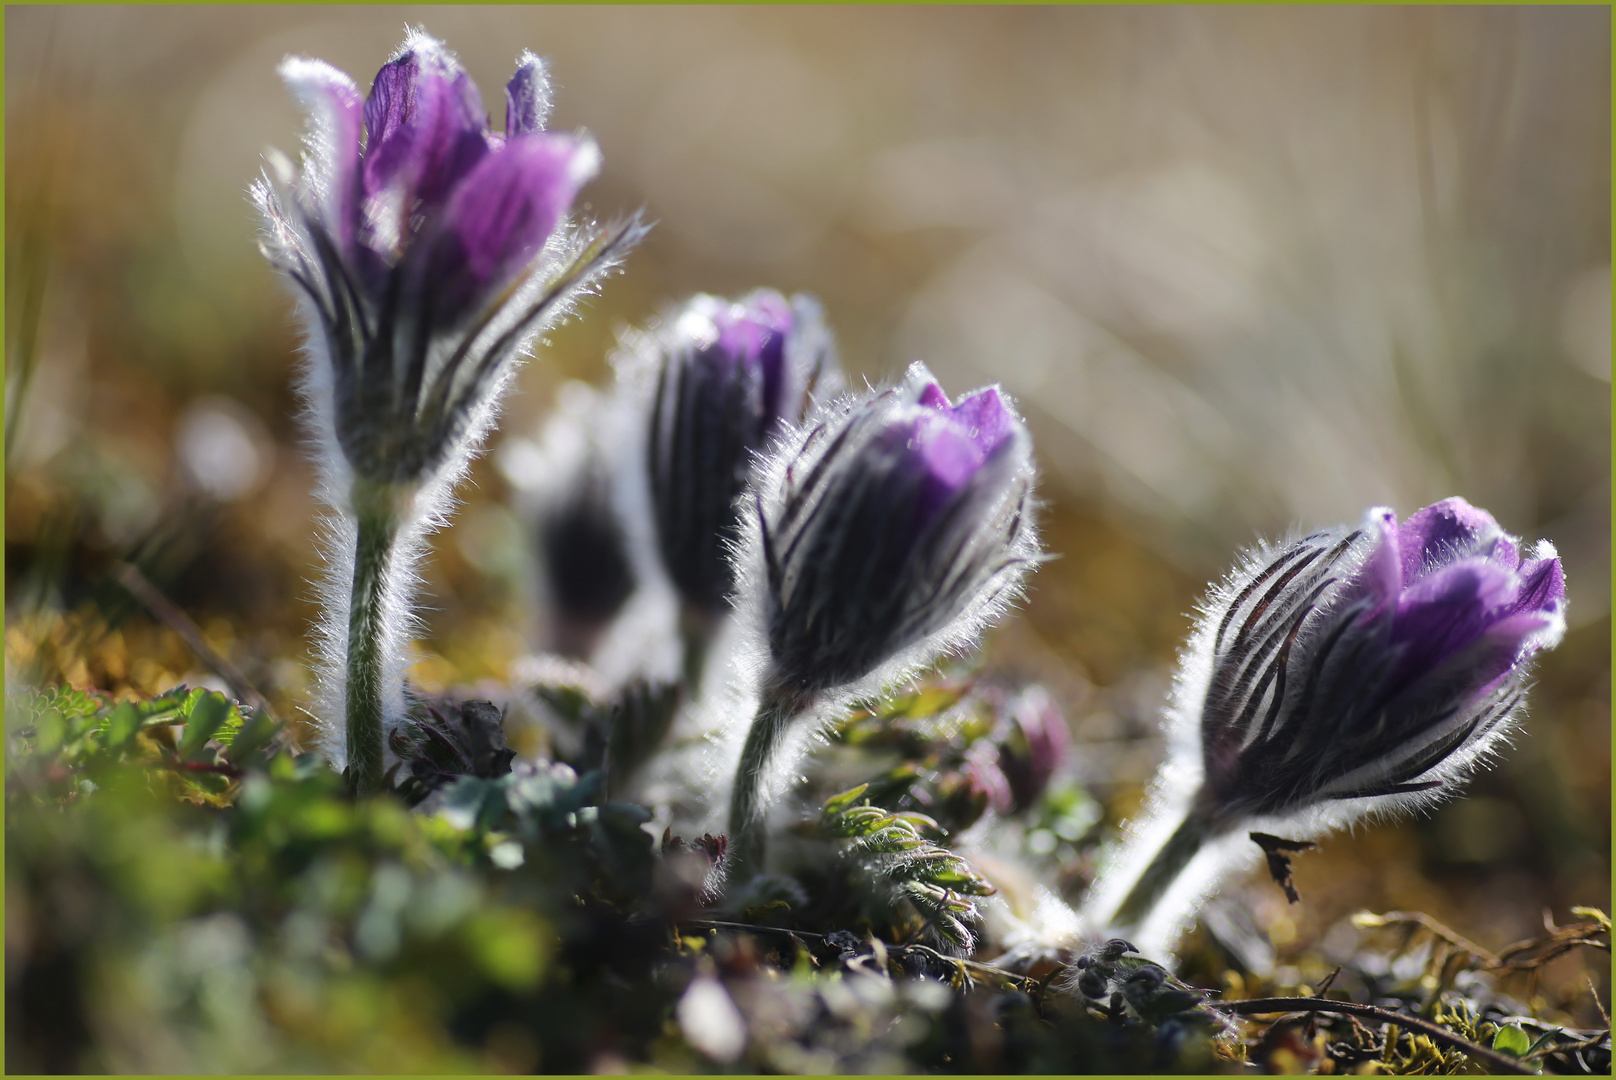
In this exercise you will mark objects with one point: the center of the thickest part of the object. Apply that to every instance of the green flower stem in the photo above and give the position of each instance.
(746, 809)
(1181, 847)
(376, 509)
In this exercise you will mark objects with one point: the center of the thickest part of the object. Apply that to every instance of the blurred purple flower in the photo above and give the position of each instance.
(1035, 745)
(977, 786)
(430, 248)
(728, 374)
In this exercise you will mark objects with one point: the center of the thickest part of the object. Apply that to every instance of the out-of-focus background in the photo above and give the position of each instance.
(1243, 270)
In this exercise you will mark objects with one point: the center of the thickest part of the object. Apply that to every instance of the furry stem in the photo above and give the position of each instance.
(696, 629)
(377, 513)
(1162, 871)
(746, 808)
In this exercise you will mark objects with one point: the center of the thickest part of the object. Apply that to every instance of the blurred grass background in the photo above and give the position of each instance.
(1243, 269)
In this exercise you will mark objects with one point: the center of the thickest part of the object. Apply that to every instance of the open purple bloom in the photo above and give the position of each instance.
(1371, 663)
(430, 248)
(892, 529)
(429, 251)
(727, 376)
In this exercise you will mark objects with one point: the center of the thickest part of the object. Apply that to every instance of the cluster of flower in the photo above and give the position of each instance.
(848, 538)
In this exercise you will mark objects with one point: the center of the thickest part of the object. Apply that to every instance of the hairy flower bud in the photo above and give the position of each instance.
(727, 376)
(884, 531)
(563, 486)
(1345, 672)
(1373, 663)
(1034, 744)
(977, 786)
(890, 530)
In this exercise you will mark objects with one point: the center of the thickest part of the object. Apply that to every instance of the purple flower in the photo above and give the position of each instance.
(429, 251)
(884, 531)
(1372, 663)
(892, 529)
(1345, 672)
(727, 376)
(429, 248)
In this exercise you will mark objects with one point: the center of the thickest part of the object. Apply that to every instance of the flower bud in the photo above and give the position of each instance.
(883, 531)
(1345, 672)
(563, 485)
(727, 376)
(1371, 664)
(429, 252)
(976, 786)
(1034, 745)
(889, 530)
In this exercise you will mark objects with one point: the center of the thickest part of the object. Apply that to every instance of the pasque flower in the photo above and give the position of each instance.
(428, 252)
(1347, 672)
(721, 377)
(563, 484)
(883, 532)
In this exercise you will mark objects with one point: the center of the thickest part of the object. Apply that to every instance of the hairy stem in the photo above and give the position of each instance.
(746, 807)
(1163, 870)
(378, 522)
(696, 629)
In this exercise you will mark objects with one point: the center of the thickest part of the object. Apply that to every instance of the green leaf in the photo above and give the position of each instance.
(253, 734)
(1512, 1040)
(836, 804)
(208, 713)
(122, 723)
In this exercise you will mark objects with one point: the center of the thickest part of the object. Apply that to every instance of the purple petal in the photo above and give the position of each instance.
(527, 97)
(335, 111)
(1542, 585)
(507, 208)
(753, 332)
(951, 443)
(932, 397)
(951, 455)
(985, 416)
(1448, 610)
(1445, 531)
(425, 124)
(1508, 641)
(744, 328)
(1382, 574)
